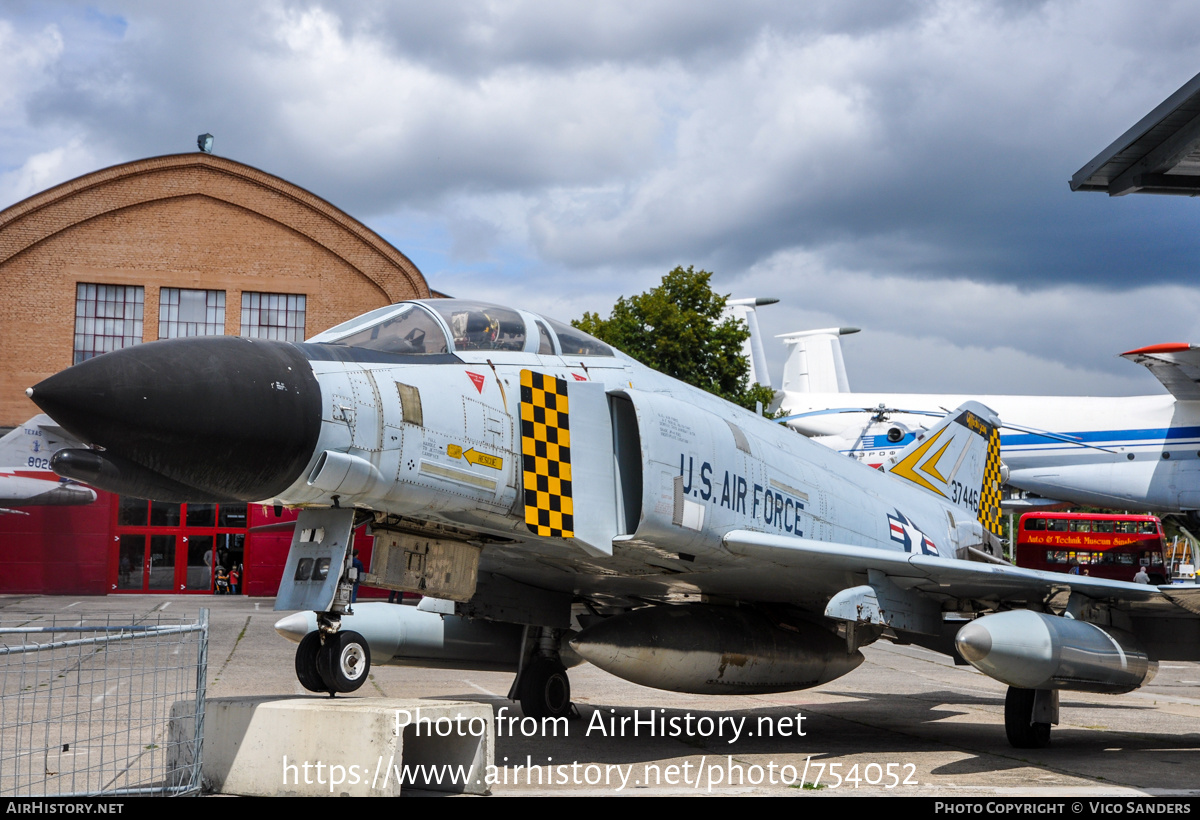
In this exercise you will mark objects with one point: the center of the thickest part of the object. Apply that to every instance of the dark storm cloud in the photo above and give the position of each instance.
(958, 141)
(302, 92)
(733, 132)
(477, 38)
(574, 152)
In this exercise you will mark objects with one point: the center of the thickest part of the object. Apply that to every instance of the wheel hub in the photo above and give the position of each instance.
(352, 662)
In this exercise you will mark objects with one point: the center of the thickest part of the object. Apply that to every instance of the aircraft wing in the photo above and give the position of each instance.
(1024, 505)
(1186, 596)
(945, 578)
(1175, 364)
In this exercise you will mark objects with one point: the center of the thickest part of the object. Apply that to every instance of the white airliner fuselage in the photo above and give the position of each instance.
(1130, 452)
(1138, 452)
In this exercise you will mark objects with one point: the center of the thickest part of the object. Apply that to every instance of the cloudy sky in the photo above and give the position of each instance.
(901, 167)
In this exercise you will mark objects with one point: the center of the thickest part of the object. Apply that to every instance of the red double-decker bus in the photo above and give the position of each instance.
(1104, 546)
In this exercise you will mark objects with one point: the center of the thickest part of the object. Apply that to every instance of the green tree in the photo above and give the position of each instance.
(678, 329)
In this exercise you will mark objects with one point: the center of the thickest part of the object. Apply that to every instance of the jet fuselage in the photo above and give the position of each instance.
(433, 423)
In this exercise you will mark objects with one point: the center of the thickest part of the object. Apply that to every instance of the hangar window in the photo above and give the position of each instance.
(183, 312)
(107, 317)
(277, 316)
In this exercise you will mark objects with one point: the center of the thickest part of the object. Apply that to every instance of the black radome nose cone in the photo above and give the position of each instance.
(232, 417)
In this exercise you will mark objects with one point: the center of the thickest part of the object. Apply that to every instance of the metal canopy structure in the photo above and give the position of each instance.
(1158, 155)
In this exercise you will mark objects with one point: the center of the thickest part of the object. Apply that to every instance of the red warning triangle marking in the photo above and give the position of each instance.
(579, 378)
(477, 378)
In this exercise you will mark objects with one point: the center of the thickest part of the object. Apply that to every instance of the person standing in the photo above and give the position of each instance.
(359, 571)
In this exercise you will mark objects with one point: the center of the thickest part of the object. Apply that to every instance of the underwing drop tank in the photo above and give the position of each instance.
(715, 650)
(1032, 650)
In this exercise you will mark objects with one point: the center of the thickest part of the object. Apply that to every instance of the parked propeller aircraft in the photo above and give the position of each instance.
(26, 479)
(1134, 452)
(514, 469)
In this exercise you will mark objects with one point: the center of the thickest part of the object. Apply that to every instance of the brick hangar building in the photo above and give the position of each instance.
(183, 245)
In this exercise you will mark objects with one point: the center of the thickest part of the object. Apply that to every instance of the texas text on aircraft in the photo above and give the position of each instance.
(1134, 452)
(26, 479)
(513, 467)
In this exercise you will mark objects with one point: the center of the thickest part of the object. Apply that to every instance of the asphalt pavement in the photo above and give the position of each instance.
(906, 722)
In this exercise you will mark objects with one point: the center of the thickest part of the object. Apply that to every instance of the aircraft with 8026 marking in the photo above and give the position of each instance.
(514, 469)
(25, 476)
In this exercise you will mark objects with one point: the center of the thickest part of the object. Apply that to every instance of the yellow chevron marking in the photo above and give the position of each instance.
(904, 468)
(930, 467)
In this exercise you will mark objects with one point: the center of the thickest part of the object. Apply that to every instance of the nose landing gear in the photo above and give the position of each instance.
(337, 664)
(306, 663)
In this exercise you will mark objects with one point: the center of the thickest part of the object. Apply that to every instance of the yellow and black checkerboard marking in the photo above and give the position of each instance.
(546, 455)
(989, 500)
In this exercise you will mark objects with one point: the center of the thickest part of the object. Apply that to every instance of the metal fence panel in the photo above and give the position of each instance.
(85, 706)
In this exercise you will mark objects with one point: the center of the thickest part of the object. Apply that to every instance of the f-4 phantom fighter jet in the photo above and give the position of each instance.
(513, 469)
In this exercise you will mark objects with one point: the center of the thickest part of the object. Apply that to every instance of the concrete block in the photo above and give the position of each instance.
(318, 746)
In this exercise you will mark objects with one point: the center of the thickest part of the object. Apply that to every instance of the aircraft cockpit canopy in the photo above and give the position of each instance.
(460, 325)
(402, 329)
(477, 326)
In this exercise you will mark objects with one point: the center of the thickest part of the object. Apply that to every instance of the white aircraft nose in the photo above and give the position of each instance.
(295, 626)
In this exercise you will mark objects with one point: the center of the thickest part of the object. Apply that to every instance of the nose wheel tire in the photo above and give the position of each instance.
(1018, 715)
(545, 690)
(343, 662)
(306, 663)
